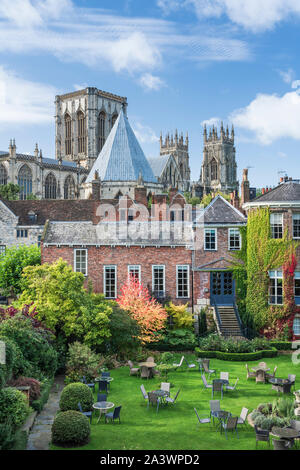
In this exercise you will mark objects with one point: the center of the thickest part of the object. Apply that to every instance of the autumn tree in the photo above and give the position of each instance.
(145, 310)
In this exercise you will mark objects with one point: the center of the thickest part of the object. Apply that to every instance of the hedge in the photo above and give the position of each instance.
(281, 345)
(253, 356)
(38, 405)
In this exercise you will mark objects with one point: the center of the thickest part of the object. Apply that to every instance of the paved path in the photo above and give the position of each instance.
(40, 434)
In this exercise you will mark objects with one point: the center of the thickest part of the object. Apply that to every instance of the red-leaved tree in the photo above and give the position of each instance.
(146, 311)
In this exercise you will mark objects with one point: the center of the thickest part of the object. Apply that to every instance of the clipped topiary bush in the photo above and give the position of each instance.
(70, 428)
(74, 393)
(13, 406)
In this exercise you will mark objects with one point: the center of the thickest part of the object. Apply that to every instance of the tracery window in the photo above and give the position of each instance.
(69, 188)
(101, 130)
(81, 132)
(3, 174)
(25, 181)
(68, 134)
(50, 187)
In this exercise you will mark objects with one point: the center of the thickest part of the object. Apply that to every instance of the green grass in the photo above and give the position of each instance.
(175, 427)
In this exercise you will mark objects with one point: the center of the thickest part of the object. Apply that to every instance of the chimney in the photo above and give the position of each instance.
(245, 188)
(140, 195)
(236, 200)
(281, 180)
(263, 190)
(96, 187)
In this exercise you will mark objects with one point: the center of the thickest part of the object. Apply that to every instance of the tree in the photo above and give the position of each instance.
(12, 264)
(63, 305)
(9, 191)
(148, 313)
(181, 317)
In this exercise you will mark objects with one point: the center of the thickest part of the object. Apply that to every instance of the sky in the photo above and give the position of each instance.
(180, 63)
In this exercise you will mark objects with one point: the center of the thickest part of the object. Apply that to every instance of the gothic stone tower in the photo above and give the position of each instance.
(179, 148)
(218, 171)
(84, 119)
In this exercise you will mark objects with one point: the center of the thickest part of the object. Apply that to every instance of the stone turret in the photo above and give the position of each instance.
(178, 147)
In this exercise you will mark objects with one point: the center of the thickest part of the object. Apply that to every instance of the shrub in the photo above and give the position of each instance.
(6, 434)
(74, 393)
(124, 332)
(35, 386)
(281, 345)
(81, 361)
(253, 356)
(13, 405)
(180, 316)
(38, 404)
(167, 358)
(177, 340)
(70, 428)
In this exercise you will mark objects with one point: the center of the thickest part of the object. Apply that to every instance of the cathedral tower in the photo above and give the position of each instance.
(219, 168)
(178, 147)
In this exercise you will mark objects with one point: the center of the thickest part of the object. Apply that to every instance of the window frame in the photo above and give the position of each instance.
(275, 226)
(22, 233)
(297, 278)
(114, 267)
(233, 229)
(138, 266)
(296, 216)
(187, 267)
(296, 330)
(86, 261)
(275, 276)
(216, 239)
(154, 266)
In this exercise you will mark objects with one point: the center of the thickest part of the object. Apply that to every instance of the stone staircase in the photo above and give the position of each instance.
(230, 325)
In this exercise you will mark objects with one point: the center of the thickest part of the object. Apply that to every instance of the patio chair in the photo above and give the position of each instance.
(214, 406)
(243, 416)
(88, 414)
(232, 387)
(153, 399)
(271, 375)
(145, 395)
(101, 397)
(165, 386)
(103, 386)
(106, 375)
(180, 363)
(217, 387)
(145, 372)
(90, 385)
(133, 370)
(263, 365)
(224, 375)
(190, 366)
(114, 415)
(260, 376)
(230, 425)
(292, 379)
(172, 400)
(262, 435)
(250, 375)
(286, 388)
(281, 444)
(207, 370)
(206, 385)
(202, 420)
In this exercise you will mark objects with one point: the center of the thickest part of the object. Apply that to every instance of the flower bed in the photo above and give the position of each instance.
(279, 413)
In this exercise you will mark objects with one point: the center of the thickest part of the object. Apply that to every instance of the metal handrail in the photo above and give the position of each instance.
(217, 313)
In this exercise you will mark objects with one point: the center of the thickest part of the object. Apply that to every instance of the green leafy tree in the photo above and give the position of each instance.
(12, 264)
(9, 191)
(63, 304)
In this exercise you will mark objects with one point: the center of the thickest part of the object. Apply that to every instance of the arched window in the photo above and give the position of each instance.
(214, 170)
(25, 181)
(81, 132)
(101, 130)
(68, 134)
(69, 188)
(3, 174)
(113, 120)
(50, 187)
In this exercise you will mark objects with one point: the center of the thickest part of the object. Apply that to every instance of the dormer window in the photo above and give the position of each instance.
(32, 217)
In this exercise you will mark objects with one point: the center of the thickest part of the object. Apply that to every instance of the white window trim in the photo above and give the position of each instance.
(216, 238)
(240, 242)
(86, 260)
(164, 275)
(104, 279)
(297, 317)
(138, 266)
(278, 274)
(294, 218)
(188, 280)
(271, 224)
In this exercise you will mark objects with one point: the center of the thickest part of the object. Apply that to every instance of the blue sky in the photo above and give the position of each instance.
(180, 64)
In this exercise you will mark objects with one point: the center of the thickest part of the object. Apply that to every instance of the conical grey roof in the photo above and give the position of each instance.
(121, 158)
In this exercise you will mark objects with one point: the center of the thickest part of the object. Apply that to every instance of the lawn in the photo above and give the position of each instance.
(175, 427)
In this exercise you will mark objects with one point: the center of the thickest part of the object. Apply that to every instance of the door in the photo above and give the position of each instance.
(222, 288)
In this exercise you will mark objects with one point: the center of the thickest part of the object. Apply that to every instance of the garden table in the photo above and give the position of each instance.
(102, 406)
(149, 365)
(265, 369)
(280, 385)
(288, 434)
(161, 394)
(221, 415)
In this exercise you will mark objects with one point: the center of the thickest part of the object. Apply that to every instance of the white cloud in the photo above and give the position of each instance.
(151, 82)
(214, 121)
(295, 84)
(144, 134)
(254, 15)
(287, 75)
(271, 117)
(24, 101)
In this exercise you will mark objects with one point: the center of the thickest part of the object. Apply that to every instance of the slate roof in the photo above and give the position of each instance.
(122, 158)
(59, 210)
(220, 211)
(50, 162)
(158, 164)
(285, 192)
